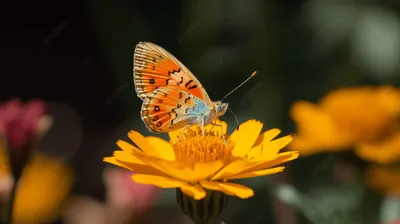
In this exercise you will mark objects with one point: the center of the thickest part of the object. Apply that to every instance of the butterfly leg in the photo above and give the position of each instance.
(218, 125)
(183, 130)
(222, 134)
(202, 125)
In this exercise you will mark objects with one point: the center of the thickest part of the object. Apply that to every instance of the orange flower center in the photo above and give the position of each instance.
(194, 148)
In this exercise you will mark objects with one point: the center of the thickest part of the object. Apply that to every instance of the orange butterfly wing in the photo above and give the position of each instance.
(154, 68)
(166, 109)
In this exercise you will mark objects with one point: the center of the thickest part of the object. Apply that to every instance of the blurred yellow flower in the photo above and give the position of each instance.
(196, 163)
(383, 151)
(44, 184)
(384, 179)
(363, 118)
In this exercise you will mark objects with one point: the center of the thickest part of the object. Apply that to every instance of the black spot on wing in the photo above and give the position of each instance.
(193, 87)
(187, 98)
(188, 83)
(174, 71)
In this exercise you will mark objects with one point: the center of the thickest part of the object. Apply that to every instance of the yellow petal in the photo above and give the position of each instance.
(267, 136)
(113, 161)
(163, 148)
(256, 151)
(172, 168)
(214, 186)
(179, 171)
(237, 190)
(163, 182)
(124, 156)
(125, 146)
(259, 164)
(143, 144)
(231, 169)
(195, 191)
(229, 188)
(145, 169)
(151, 161)
(136, 164)
(257, 173)
(245, 137)
(271, 149)
(207, 169)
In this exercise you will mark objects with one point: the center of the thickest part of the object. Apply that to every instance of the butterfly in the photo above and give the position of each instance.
(173, 98)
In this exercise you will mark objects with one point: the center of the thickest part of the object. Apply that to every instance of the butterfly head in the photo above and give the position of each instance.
(220, 108)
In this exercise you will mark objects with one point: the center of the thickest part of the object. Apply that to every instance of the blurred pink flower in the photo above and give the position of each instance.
(20, 123)
(20, 126)
(126, 201)
(123, 192)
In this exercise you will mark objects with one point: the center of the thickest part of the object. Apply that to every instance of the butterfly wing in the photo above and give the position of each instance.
(166, 109)
(154, 68)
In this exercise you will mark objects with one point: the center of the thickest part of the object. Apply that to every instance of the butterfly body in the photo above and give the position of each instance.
(172, 96)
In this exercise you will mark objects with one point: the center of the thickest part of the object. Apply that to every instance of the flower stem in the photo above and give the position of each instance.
(11, 204)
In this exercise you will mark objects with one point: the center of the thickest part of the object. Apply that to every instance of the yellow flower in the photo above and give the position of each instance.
(44, 184)
(316, 130)
(364, 118)
(383, 151)
(364, 112)
(196, 163)
(384, 179)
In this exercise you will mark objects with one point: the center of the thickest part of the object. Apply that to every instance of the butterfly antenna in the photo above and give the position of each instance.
(237, 120)
(252, 75)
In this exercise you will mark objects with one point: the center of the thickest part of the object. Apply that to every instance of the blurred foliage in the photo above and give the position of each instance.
(331, 204)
